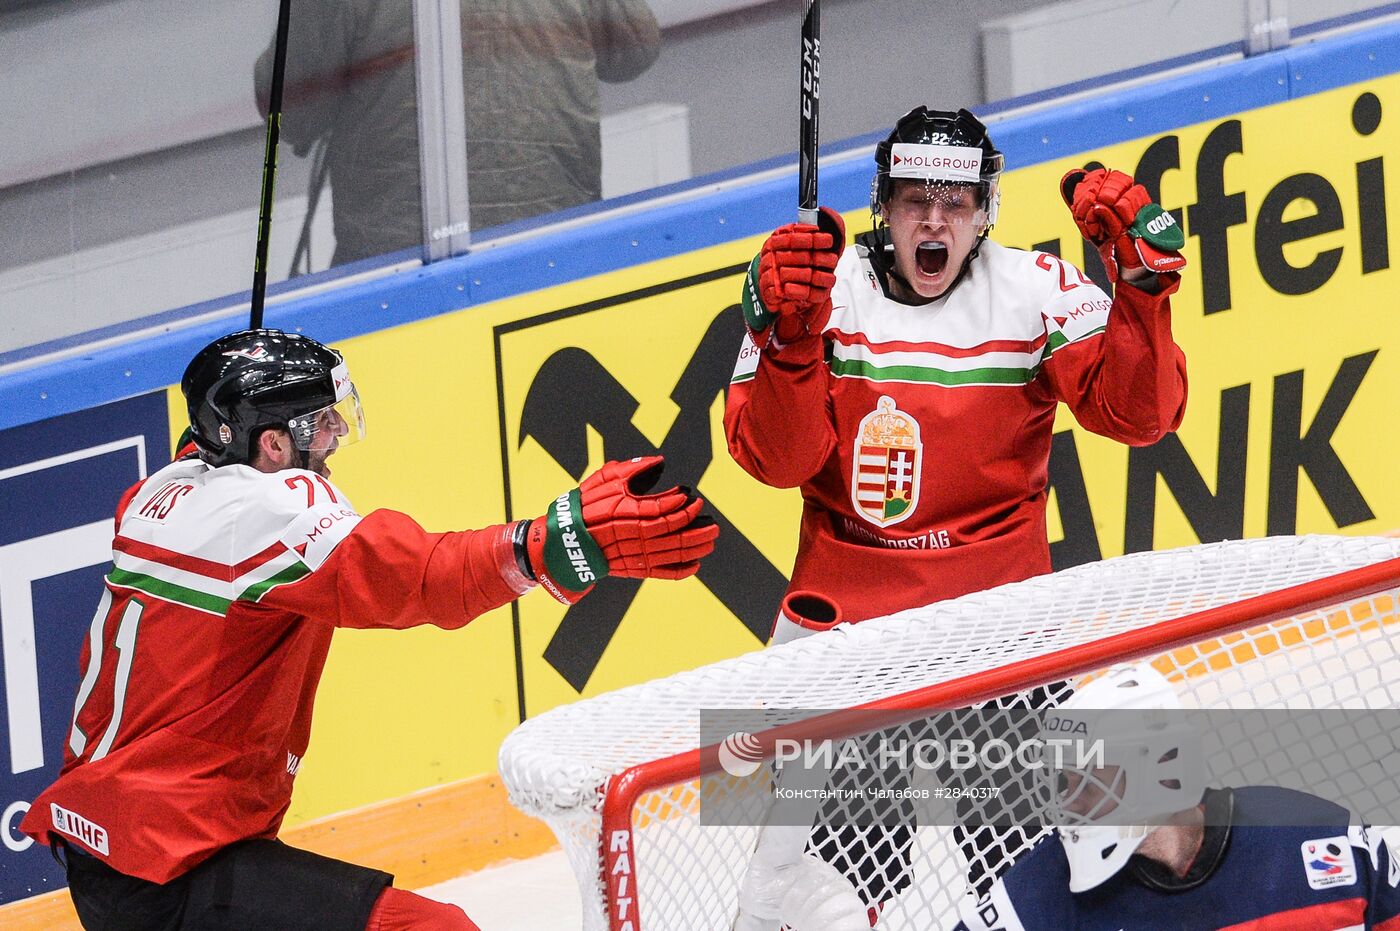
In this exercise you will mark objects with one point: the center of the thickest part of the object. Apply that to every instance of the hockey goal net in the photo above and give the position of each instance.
(1282, 622)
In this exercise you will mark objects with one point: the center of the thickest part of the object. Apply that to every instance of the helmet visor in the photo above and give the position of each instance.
(952, 184)
(939, 203)
(331, 427)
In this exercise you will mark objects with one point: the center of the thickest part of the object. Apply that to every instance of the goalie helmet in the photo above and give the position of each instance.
(1150, 768)
(245, 382)
(939, 146)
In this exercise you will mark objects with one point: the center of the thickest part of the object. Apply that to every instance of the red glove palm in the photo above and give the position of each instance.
(796, 272)
(613, 524)
(1108, 207)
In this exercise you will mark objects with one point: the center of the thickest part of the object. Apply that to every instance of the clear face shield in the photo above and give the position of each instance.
(939, 203)
(958, 185)
(335, 425)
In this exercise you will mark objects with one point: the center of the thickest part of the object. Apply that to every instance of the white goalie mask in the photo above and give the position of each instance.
(1150, 768)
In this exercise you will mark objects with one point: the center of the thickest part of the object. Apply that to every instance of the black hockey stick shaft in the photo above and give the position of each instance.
(269, 176)
(811, 104)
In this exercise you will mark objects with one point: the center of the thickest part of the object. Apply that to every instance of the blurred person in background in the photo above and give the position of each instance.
(530, 70)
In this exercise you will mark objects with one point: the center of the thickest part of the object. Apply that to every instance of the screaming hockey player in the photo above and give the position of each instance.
(233, 567)
(908, 386)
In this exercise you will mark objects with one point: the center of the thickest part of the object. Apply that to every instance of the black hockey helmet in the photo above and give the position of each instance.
(924, 144)
(245, 382)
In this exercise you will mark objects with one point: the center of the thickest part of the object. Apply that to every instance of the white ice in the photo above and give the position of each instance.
(538, 894)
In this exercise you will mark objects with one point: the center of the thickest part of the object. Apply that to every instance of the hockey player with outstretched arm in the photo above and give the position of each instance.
(908, 385)
(232, 569)
(1246, 859)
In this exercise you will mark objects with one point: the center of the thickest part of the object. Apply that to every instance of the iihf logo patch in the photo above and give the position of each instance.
(888, 460)
(1329, 862)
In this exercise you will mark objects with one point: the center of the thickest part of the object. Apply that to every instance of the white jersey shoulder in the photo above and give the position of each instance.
(1007, 294)
(996, 327)
(1379, 842)
(230, 532)
(1010, 312)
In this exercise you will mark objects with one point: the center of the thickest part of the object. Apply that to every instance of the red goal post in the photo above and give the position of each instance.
(1276, 622)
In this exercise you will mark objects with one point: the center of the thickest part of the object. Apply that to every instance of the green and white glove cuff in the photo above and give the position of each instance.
(571, 556)
(1159, 228)
(757, 316)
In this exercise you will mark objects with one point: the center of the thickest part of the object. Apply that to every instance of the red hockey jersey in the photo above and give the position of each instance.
(202, 662)
(920, 435)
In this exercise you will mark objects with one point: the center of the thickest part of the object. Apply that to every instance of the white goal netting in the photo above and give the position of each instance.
(1316, 630)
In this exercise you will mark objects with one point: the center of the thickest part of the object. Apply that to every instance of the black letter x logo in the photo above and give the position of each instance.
(571, 392)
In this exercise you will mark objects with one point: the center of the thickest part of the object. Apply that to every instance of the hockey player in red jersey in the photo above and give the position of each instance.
(909, 385)
(231, 571)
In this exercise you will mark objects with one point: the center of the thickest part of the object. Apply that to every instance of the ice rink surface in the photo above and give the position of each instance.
(538, 894)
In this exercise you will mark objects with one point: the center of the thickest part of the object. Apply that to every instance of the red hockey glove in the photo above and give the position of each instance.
(1118, 216)
(793, 275)
(614, 524)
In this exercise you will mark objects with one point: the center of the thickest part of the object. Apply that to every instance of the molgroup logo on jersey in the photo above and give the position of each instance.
(60, 480)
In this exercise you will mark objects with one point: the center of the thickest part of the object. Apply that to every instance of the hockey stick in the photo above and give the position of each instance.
(807, 132)
(269, 177)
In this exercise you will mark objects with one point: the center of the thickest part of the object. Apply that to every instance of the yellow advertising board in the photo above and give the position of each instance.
(1289, 314)
(1288, 317)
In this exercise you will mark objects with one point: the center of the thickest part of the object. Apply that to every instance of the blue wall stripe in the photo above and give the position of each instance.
(1346, 19)
(550, 259)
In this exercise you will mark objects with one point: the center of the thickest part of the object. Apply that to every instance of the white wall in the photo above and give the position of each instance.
(98, 80)
(1057, 44)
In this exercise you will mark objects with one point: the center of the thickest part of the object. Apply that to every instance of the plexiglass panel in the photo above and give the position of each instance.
(132, 148)
(131, 137)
